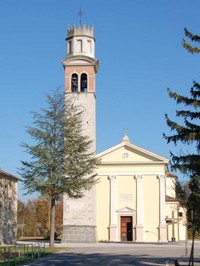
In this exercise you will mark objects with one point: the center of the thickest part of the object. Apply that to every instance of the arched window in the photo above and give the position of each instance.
(74, 83)
(83, 82)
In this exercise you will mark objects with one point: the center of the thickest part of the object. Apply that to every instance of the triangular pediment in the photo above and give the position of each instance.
(126, 210)
(127, 153)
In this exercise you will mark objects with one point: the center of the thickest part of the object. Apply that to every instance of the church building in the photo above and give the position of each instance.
(135, 198)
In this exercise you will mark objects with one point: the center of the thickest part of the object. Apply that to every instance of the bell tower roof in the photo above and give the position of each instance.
(80, 31)
(80, 41)
(80, 63)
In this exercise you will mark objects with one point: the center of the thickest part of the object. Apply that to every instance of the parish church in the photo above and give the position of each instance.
(135, 197)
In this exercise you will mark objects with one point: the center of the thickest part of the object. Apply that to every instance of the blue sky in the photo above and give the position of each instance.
(139, 47)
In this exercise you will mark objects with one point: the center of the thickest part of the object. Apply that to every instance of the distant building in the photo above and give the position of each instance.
(8, 208)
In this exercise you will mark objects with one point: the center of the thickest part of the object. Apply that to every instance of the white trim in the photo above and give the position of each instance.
(113, 214)
(139, 208)
(162, 224)
(129, 214)
(133, 173)
(162, 198)
(132, 162)
(126, 211)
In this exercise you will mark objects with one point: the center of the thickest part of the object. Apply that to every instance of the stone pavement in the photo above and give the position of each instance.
(124, 254)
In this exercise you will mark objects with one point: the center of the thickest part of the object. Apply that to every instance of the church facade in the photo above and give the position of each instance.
(134, 199)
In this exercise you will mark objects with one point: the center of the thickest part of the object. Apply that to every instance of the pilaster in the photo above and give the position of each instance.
(113, 214)
(162, 221)
(139, 209)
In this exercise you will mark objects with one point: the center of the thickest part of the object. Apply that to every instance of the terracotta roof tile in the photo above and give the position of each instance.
(171, 175)
(170, 199)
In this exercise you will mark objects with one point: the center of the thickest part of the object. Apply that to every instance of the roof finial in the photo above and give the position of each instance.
(125, 138)
(80, 13)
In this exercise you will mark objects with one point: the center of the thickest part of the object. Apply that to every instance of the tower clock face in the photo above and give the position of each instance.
(80, 110)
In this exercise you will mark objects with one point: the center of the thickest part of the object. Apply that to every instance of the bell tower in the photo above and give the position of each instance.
(80, 68)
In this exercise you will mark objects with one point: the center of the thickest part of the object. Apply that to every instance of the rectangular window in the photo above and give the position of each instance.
(69, 47)
(79, 46)
(90, 46)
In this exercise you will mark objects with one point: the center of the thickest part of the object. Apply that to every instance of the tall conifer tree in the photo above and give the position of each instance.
(188, 133)
(60, 161)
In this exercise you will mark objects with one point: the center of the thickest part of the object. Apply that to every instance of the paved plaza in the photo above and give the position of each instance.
(124, 254)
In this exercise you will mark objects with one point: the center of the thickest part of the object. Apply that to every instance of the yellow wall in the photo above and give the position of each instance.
(126, 188)
(151, 207)
(103, 208)
(134, 155)
(170, 186)
(182, 225)
(179, 222)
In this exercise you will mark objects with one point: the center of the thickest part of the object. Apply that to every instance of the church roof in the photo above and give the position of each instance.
(170, 199)
(171, 175)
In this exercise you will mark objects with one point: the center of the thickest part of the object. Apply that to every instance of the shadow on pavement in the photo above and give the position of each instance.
(97, 259)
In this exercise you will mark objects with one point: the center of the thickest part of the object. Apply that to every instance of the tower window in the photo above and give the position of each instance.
(69, 47)
(83, 82)
(90, 46)
(74, 83)
(80, 45)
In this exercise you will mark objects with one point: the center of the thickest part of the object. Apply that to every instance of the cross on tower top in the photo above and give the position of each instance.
(80, 14)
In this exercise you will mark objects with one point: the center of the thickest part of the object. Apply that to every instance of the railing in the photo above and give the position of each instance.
(20, 254)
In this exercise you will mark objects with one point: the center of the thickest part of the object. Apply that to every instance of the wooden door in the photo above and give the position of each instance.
(126, 228)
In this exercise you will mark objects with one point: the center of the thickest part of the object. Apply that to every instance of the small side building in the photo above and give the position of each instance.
(8, 208)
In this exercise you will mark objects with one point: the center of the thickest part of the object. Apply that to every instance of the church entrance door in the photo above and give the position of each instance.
(126, 228)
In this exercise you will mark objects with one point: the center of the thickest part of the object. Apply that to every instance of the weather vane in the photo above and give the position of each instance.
(80, 13)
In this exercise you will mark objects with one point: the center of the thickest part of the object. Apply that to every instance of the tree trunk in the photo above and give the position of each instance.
(52, 222)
